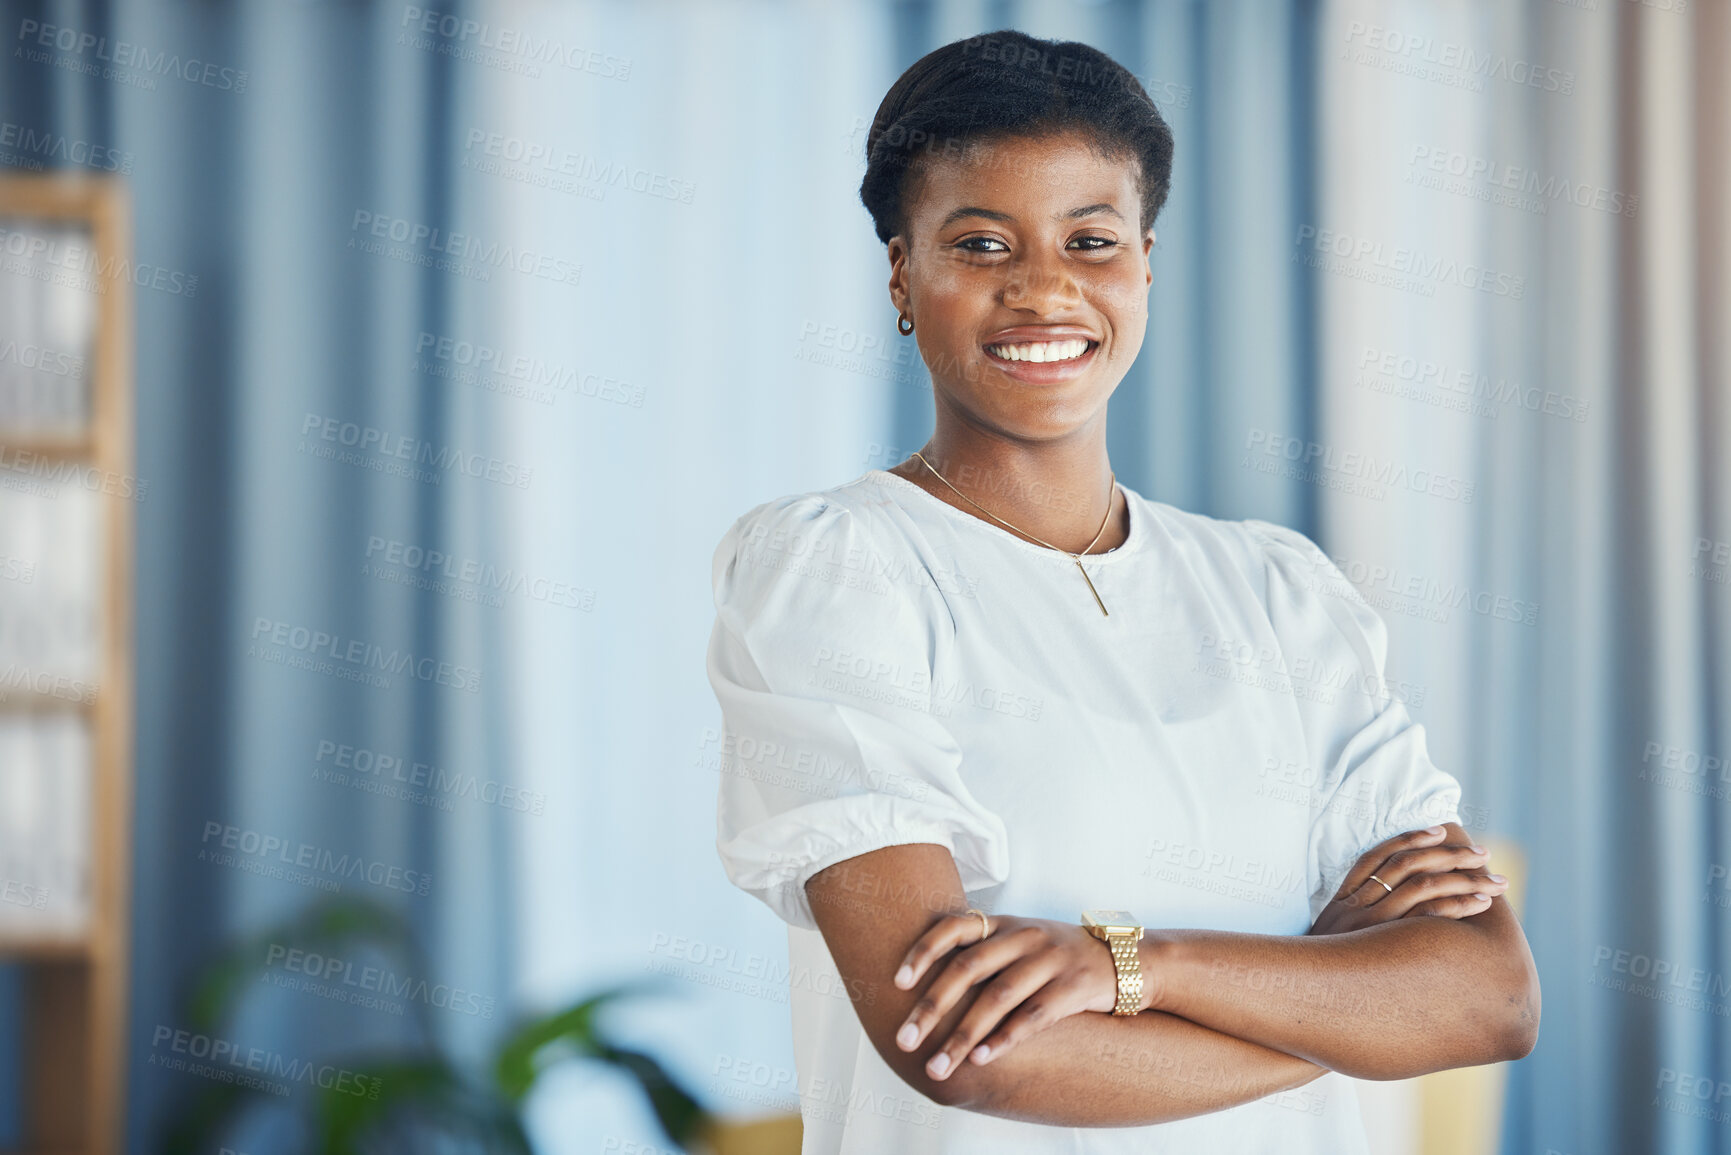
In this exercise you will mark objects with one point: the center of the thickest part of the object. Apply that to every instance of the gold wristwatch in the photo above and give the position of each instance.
(1119, 930)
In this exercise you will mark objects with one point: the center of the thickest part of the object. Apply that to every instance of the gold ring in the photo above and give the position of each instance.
(985, 927)
(1382, 884)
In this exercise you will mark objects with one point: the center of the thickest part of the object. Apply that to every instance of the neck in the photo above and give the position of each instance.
(1059, 492)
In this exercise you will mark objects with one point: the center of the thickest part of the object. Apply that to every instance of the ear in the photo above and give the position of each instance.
(1147, 250)
(898, 255)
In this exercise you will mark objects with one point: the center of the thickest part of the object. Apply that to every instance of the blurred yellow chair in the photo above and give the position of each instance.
(771, 1135)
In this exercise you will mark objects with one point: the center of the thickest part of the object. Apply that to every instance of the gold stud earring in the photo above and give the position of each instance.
(904, 324)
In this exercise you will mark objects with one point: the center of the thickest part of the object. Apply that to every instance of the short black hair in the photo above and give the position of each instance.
(1010, 84)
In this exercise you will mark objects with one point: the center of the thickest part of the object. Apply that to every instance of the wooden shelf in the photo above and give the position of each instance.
(14, 948)
(31, 702)
(74, 1034)
(58, 448)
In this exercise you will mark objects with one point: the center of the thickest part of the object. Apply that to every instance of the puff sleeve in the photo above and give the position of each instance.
(1373, 775)
(821, 659)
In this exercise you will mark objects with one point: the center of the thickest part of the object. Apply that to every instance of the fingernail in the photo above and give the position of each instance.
(1482, 897)
(939, 1064)
(905, 976)
(906, 1036)
(1433, 830)
(982, 1053)
(1496, 878)
(1477, 849)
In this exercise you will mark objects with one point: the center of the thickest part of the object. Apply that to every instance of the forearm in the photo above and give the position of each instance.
(1386, 1002)
(1100, 1070)
(1085, 1069)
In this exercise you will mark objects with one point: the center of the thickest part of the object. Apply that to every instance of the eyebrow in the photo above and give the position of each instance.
(993, 215)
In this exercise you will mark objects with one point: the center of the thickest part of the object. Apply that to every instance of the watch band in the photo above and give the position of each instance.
(1129, 966)
(1120, 931)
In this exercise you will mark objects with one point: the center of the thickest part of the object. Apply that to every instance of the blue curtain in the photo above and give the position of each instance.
(1578, 153)
(1601, 731)
(254, 180)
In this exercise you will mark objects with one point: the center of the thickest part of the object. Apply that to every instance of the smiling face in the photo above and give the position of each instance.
(1025, 271)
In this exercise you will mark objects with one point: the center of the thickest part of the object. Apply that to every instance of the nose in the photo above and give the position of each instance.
(1040, 283)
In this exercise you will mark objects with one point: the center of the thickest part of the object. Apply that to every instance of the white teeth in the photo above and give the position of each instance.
(1040, 351)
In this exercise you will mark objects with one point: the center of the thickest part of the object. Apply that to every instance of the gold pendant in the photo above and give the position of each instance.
(1092, 590)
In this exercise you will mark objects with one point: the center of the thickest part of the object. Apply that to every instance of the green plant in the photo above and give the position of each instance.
(417, 1091)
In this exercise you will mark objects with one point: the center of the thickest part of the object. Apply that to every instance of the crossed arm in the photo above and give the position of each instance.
(1228, 1018)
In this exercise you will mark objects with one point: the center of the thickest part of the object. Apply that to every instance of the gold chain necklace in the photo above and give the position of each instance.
(1075, 557)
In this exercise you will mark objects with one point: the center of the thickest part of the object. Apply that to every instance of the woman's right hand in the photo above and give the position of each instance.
(1426, 872)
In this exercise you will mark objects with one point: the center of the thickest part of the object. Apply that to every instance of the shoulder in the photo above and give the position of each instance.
(829, 559)
(1221, 548)
(1293, 558)
(1306, 592)
(1297, 562)
(821, 523)
(1261, 551)
(1282, 544)
(1289, 573)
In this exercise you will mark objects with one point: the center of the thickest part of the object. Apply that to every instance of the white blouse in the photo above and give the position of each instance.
(1216, 753)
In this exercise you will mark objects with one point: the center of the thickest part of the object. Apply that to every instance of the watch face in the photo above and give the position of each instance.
(1110, 919)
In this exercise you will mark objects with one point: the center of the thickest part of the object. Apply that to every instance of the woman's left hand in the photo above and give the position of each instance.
(1419, 873)
(1040, 971)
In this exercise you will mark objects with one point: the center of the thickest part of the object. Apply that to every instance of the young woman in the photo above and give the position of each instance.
(981, 698)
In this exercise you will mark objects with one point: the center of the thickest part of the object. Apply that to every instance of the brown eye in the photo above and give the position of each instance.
(967, 245)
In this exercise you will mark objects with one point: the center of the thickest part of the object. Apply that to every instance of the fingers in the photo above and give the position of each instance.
(1024, 992)
(1459, 906)
(1416, 872)
(944, 936)
(1406, 867)
(1409, 862)
(1444, 886)
(971, 965)
(1404, 864)
(1057, 999)
(1373, 858)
